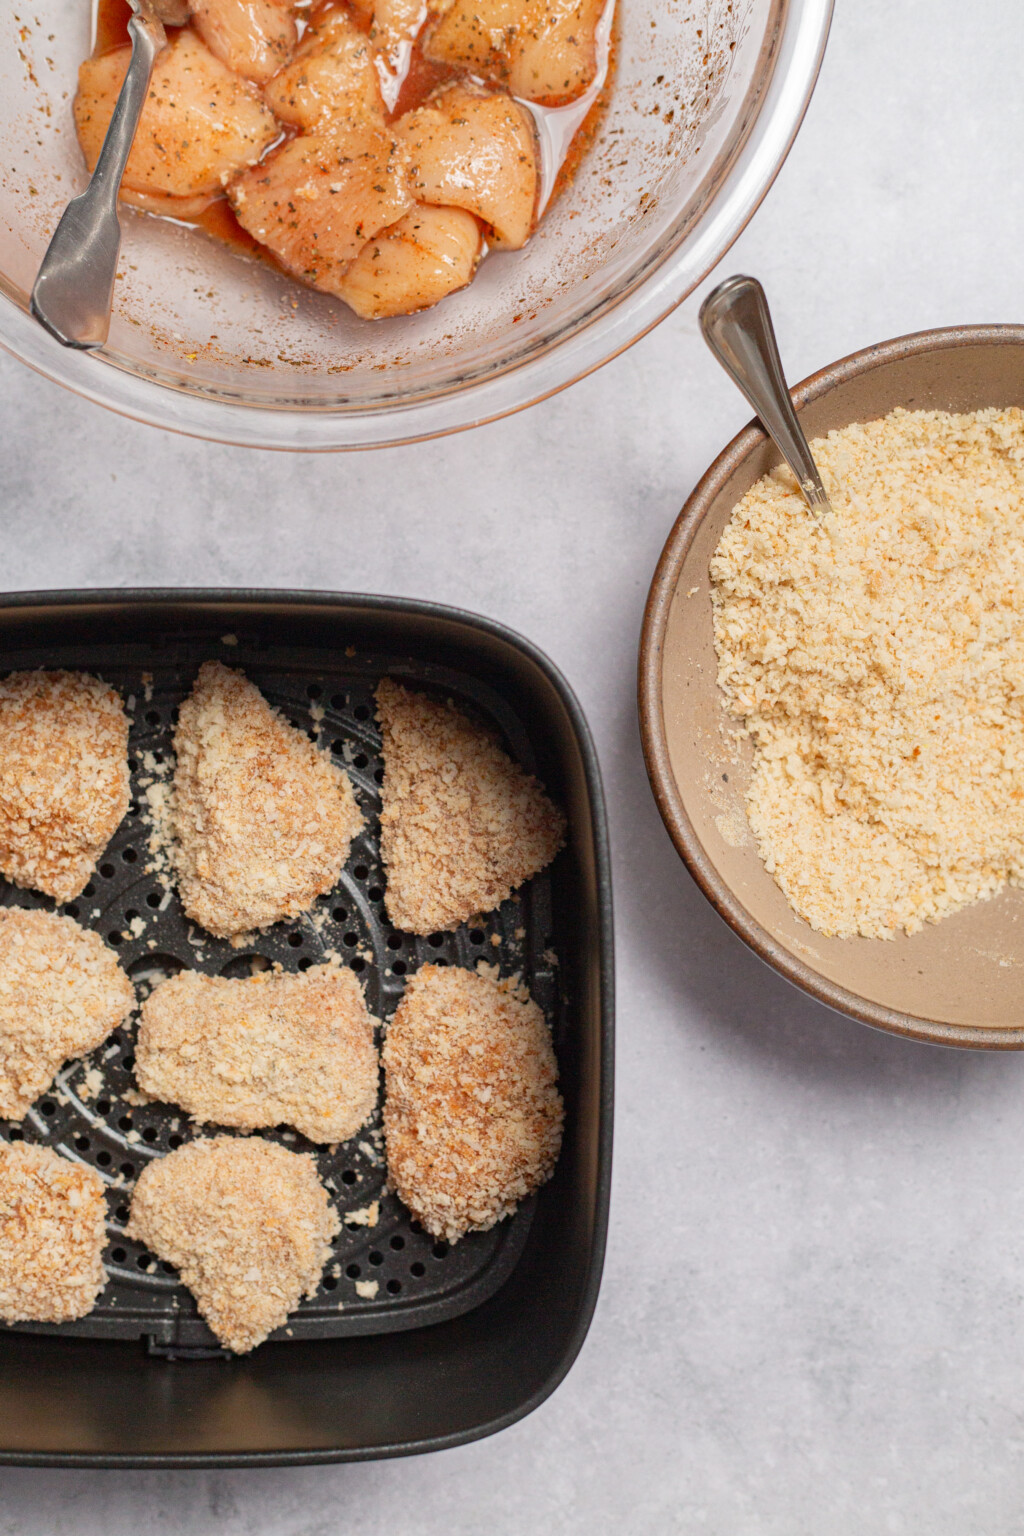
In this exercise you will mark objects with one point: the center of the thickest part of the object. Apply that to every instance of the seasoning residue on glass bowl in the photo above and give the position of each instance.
(876, 660)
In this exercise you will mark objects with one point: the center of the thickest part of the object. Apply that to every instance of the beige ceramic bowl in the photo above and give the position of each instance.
(959, 982)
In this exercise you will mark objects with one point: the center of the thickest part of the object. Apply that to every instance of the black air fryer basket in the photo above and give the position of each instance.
(408, 1344)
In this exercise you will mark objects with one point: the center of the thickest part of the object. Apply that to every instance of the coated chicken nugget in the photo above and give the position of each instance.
(461, 824)
(262, 820)
(246, 1223)
(267, 1050)
(52, 1232)
(62, 992)
(63, 778)
(472, 1117)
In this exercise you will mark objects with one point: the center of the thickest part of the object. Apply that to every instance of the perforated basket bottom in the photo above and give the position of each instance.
(388, 1276)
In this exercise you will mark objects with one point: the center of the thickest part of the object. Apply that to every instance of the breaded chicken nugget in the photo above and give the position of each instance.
(472, 1117)
(52, 1232)
(248, 1225)
(262, 819)
(267, 1050)
(61, 994)
(461, 824)
(63, 778)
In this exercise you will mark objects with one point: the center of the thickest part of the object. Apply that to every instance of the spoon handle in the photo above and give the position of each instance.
(74, 288)
(737, 326)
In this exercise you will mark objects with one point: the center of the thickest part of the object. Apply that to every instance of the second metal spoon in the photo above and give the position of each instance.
(737, 326)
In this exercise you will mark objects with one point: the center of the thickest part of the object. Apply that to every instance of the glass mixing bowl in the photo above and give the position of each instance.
(707, 99)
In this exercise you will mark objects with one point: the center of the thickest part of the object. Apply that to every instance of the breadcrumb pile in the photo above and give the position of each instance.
(271, 1049)
(248, 1225)
(876, 659)
(472, 1117)
(62, 992)
(262, 820)
(461, 824)
(52, 1232)
(63, 778)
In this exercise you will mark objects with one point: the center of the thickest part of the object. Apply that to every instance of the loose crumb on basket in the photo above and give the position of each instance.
(462, 825)
(52, 1232)
(472, 1116)
(876, 659)
(246, 1223)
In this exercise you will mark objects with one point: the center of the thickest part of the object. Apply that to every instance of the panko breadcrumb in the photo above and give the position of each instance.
(61, 994)
(876, 658)
(472, 1117)
(52, 1232)
(63, 778)
(267, 1050)
(247, 1224)
(262, 820)
(461, 824)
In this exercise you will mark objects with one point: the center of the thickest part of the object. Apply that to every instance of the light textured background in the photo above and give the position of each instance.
(811, 1318)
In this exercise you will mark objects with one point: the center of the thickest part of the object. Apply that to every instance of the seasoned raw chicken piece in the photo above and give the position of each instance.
(541, 50)
(396, 24)
(472, 1117)
(262, 820)
(63, 778)
(61, 994)
(247, 1223)
(474, 150)
(428, 254)
(332, 75)
(267, 1050)
(461, 825)
(252, 37)
(201, 123)
(316, 201)
(52, 1232)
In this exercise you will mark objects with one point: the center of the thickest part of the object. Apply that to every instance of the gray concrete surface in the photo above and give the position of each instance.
(811, 1319)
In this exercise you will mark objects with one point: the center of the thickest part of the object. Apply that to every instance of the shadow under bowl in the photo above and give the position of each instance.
(958, 982)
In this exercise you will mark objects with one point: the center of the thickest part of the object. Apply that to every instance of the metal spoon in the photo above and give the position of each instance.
(737, 326)
(74, 288)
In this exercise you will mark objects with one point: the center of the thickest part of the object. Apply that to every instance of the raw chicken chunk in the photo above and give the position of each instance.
(267, 1050)
(252, 37)
(332, 75)
(472, 1117)
(540, 50)
(396, 24)
(316, 201)
(63, 778)
(246, 1222)
(62, 992)
(461, 825)
(474, 150)
(201, 123)
(52, 1232)
(262, 820)
(426, 255)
